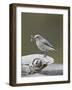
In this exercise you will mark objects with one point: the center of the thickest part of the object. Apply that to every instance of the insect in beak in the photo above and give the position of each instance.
(32, 38)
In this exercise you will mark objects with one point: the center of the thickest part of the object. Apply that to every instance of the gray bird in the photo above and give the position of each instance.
(42, 44)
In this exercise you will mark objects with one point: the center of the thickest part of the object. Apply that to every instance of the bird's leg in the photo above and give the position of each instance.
(42, 52)
(45, 53)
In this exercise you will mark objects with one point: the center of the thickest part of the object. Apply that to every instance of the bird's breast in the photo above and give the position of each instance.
(40, 45)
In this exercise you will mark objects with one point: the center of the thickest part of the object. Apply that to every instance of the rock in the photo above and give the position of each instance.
(38, 64)
(34, 63)
(25, 69)
(53, 69)
(28, 59)
(50, 70)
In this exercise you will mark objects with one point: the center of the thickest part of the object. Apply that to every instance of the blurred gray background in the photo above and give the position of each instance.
(50, 26)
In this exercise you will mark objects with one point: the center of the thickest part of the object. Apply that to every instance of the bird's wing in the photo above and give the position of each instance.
(47, 43)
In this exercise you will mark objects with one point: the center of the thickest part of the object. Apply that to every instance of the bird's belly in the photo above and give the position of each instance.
(41, 46)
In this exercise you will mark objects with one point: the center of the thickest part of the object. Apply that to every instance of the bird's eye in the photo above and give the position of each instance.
(37, 37)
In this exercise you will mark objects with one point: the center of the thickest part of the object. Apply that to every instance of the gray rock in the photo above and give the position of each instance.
(53, 69)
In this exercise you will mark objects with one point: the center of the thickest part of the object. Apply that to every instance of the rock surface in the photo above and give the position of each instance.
(28, 59)
(53, 69)
(50, 70)
(38, 65)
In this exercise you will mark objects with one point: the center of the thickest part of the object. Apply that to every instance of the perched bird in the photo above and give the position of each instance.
(42, 44)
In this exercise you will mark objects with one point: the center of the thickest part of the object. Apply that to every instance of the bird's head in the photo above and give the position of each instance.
(36, 37)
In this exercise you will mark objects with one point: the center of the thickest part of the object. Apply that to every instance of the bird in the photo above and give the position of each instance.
(42, 44)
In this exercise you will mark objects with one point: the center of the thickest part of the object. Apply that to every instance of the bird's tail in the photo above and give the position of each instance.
(54, 50)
